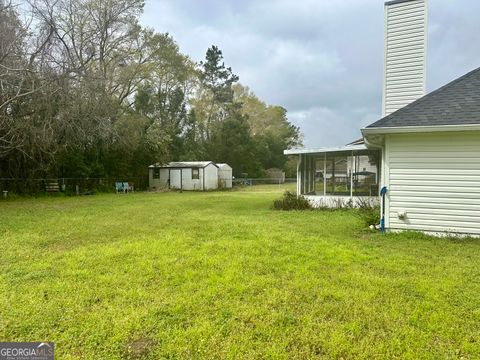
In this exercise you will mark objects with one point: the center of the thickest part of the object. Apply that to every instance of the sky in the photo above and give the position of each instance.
(322, 60)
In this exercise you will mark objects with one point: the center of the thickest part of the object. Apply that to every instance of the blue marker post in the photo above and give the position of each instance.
(383, 193)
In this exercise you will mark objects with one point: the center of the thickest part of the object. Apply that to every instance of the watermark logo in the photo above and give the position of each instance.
(26, 350)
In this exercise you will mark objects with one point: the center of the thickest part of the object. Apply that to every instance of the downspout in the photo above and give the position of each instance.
(383, 191)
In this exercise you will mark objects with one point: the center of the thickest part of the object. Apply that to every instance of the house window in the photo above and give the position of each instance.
(195, 174)
(156, 173)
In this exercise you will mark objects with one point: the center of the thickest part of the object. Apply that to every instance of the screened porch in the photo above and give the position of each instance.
(333, 174)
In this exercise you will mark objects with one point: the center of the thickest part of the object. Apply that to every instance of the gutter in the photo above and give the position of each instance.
(419, 129)
(370, 144)
(346, 148)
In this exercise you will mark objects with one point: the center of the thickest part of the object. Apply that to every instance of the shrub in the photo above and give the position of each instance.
(291, 201)
(369, 213)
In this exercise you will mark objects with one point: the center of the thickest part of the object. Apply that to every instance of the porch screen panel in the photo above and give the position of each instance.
(366, 174)
(338, 175)
(311, 175)
(319, 175)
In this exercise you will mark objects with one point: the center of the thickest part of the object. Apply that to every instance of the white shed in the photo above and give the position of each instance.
(187, 175)
(225, 176)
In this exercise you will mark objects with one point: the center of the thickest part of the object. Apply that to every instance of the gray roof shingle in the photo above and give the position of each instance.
(457, 103)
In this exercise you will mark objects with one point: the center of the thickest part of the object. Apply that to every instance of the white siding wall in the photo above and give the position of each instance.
(210, 173)
(435, 179)
(158, 183)
(225, 177)
(191, 184)
(182, 178)
(405, 53)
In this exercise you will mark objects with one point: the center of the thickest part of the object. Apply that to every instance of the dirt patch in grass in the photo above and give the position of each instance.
(140, 347)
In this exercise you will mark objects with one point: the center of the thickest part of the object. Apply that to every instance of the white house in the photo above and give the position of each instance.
(225, 176)
(190, 175)
(424, 151)
(431, 160)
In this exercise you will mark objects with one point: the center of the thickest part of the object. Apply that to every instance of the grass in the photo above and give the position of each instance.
(221, 275)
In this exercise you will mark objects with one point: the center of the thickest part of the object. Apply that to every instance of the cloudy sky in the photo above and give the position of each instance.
(320, 59)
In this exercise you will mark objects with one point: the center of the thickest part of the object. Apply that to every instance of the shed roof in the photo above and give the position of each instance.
(224, 166)
(183, 164)
(457, 103)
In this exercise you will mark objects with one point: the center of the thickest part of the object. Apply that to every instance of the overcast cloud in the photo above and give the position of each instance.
(320, 59)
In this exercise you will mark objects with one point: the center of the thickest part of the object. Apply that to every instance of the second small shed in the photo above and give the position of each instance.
(224, 176)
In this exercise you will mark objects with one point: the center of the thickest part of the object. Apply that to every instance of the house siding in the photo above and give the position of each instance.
(405, 54)
(434, 178)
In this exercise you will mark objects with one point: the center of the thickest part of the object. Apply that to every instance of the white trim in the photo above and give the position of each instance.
(418, 129)
(439, 234)
(386, 165)
(425, 44)
(385, 37)
(325, 150)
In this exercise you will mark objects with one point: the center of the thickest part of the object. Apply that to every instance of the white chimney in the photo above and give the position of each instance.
(405, 53)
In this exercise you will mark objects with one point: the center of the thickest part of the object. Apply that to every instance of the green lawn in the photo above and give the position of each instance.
(221, 275)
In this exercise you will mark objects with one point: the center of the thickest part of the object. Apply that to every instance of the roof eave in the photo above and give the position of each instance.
(394, 2)
(325, 150)
(419, 129)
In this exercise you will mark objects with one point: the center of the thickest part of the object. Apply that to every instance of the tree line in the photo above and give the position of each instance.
(87, 91)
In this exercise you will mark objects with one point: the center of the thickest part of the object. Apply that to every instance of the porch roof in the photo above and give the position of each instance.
(345, 149)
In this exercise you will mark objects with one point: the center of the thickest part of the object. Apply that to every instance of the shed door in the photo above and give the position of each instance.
(175, 179)
(434, 180)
